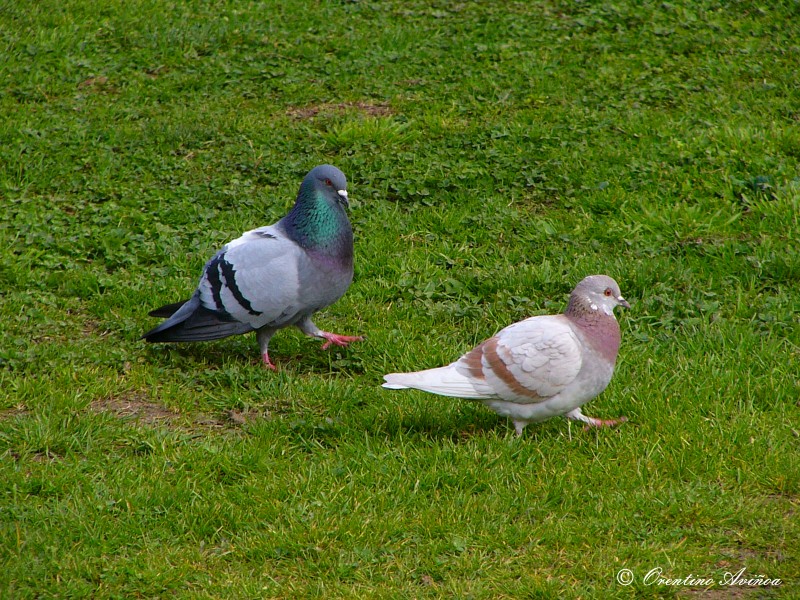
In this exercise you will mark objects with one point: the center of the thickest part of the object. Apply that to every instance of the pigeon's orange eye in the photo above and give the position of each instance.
(607, 292)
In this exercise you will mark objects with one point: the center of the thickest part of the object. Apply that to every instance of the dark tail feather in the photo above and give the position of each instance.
(167, 310)
(191, 322)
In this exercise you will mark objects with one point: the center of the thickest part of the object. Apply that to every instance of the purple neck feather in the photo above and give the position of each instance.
(601, 331)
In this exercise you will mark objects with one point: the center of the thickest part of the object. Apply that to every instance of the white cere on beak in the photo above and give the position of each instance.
(342, 193)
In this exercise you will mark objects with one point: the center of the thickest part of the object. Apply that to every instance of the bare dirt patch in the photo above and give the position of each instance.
(229, 419)
(13, 412)
(134, 406)
(243, 417)
(99, 81)
(379, 109)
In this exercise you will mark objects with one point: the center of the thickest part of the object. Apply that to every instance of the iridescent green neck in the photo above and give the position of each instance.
(319, 223)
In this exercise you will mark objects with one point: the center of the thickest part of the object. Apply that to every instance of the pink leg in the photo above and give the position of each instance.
(267, 363)
(593, 423)
(263, 336)
(339, 340)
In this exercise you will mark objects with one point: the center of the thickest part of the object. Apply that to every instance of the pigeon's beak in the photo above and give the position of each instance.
(343, 196)
(623, 302)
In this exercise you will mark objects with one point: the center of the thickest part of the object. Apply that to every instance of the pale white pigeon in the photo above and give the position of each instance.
(274, 276)
(541, 367)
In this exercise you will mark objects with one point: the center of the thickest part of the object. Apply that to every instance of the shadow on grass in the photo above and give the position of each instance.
(217, 355)
(463, 428)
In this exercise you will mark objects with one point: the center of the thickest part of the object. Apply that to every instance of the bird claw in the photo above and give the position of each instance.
(339, 340)
(599, 423)
(268, 363)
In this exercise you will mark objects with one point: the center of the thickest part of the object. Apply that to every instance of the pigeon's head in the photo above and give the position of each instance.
(598, 293)
(329, 181)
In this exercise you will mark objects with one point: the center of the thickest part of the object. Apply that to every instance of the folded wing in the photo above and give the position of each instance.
(252, 282)
(526, 362)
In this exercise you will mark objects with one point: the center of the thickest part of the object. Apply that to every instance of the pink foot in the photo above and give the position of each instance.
(593, 423)
(267, 363)
(339, 340)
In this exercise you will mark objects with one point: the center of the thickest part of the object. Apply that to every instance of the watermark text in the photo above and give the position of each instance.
(657, 576)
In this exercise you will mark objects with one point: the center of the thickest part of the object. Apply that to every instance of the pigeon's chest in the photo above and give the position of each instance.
(324, 279)
(596, 371)
(597, 366)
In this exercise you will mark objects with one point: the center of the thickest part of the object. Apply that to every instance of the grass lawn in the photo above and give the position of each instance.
(497, 152)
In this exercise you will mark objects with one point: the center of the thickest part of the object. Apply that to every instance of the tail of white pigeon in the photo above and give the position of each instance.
(445, 381)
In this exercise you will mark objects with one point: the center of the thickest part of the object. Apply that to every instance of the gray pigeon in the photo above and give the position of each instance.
(540, 367)
(273, 276)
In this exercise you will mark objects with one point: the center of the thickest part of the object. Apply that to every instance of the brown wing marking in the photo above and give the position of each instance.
(499, 368)
(473, 362)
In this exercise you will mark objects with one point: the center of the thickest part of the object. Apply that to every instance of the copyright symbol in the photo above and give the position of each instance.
(625, 577)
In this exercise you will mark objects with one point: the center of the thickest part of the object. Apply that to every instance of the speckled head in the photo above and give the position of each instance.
(596, 294)
(591, 311)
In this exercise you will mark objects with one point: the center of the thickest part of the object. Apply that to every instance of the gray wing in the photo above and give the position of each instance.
(252, 282)
(254, 279)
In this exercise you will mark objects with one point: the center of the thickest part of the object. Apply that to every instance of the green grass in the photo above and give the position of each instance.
(497, 153)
